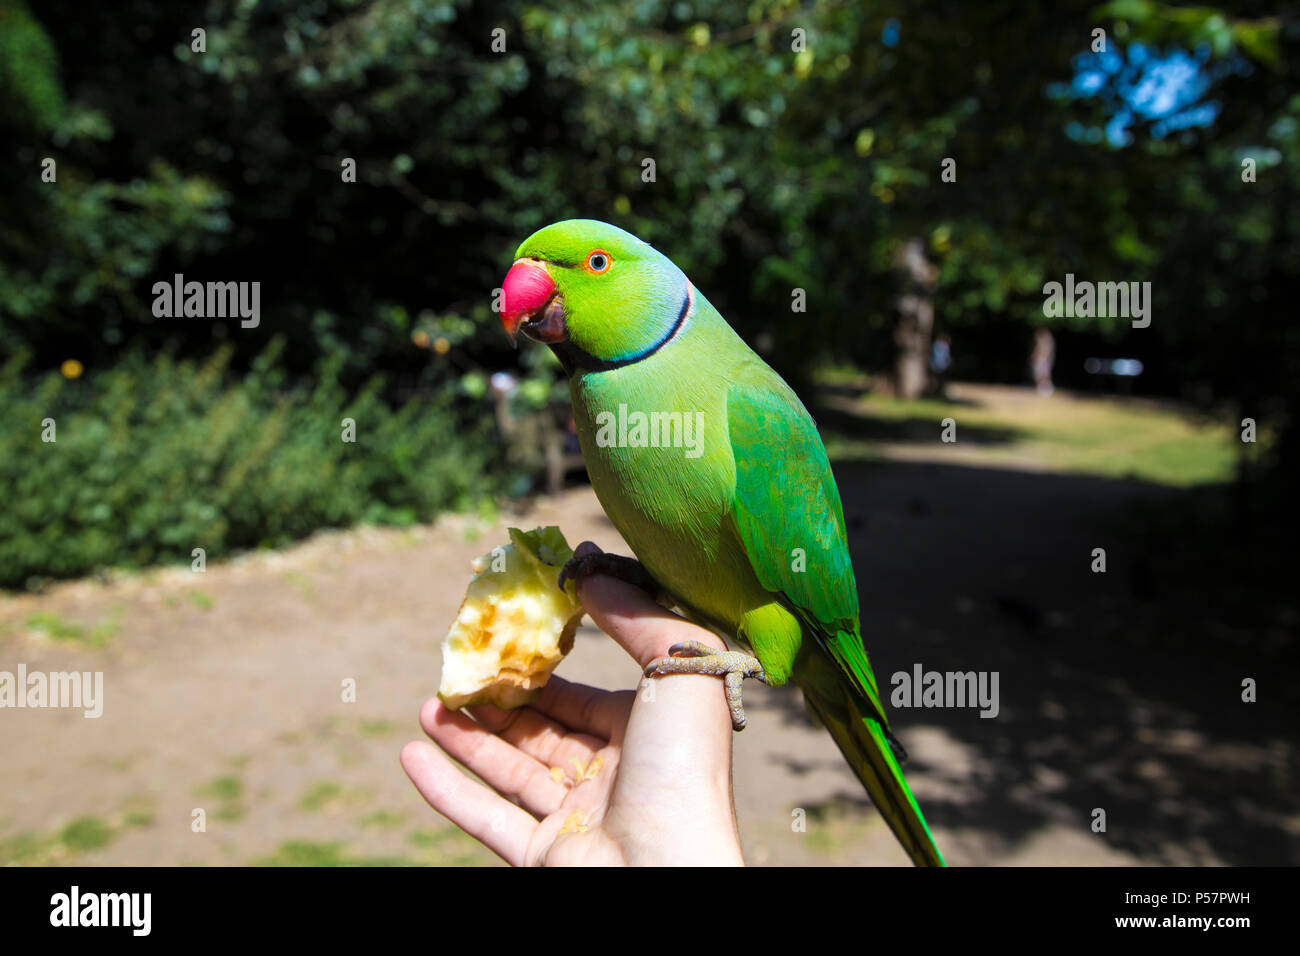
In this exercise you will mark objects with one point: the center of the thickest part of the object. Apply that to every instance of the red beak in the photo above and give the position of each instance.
(527, 290)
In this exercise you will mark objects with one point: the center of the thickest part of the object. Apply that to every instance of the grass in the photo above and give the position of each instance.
(383, 818)
(85, 834)
(309, 853)
(329, 796)
(227, 790)
(1112, 437)
(57, 628)
(82, 835)
(227, 787)
(450, 846)
(444, 847)
(319, 796)
(201, 600)
(302, 584)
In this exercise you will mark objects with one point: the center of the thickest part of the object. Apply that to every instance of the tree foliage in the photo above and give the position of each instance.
(795, 145)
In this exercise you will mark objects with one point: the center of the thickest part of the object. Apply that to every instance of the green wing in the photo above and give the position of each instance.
(785, 500)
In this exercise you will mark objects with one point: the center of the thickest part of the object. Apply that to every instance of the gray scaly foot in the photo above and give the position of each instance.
(692, 657)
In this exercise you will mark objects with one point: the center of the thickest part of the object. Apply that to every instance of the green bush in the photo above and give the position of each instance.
(155, 457)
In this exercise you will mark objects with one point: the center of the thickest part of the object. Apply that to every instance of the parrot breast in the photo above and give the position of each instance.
(670, 499)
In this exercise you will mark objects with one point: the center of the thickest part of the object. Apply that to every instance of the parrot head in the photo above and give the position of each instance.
(596, 294)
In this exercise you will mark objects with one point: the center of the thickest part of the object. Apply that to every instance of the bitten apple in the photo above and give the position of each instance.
(514, 626)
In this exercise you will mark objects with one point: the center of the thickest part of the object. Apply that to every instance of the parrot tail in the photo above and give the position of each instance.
(866, 747)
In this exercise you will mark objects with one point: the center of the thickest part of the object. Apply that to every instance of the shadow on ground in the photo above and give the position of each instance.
(1119, 690)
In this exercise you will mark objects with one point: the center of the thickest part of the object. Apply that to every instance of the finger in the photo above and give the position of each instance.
(503, 767)
(627, 614)
(495, 822)
(587, 710)
(675, 753)
(541, 737)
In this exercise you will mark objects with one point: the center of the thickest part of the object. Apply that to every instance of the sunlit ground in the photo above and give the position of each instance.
(1066, 432)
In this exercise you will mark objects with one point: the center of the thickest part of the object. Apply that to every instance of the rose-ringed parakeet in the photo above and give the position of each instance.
(713, 471)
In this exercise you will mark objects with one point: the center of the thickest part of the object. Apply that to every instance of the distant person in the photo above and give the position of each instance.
(941, 362)
(1041, 360)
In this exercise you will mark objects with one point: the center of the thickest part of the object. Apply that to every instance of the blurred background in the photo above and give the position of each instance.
(874, 194)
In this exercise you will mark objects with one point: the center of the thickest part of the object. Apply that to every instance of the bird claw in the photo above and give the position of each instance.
(588, 559)
(692, 657)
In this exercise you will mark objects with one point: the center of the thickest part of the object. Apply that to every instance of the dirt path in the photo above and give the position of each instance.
(222, 691)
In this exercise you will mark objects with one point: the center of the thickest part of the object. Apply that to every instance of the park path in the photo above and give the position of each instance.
(222, 692)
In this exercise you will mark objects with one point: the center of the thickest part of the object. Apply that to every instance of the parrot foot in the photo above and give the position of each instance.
(589, 559)
(692, 657)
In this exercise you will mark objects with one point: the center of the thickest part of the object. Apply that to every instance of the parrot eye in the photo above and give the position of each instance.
(598, 261)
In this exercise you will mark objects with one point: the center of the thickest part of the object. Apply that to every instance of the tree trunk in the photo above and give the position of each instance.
(915, 319)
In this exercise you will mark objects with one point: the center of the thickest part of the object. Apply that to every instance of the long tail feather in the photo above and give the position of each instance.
(864, 745)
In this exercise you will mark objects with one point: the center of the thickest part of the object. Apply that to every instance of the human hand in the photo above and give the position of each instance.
(654, 787)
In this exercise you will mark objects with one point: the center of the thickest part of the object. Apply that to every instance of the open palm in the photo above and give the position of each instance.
(592, 777)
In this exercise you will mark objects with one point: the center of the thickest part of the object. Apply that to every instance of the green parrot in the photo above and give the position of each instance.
(713, 471)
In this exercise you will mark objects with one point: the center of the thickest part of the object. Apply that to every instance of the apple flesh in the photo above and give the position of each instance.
(514, 626)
